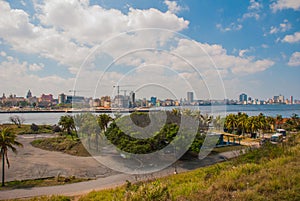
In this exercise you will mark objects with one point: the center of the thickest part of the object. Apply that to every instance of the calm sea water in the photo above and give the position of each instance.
(251, 110)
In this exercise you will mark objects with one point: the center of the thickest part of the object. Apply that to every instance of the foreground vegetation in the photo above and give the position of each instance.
(28, 129)
(269, 173)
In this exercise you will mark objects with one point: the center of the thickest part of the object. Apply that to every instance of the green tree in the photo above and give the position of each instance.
(67, 124)
(271, 121)
(103, 121)
(7, 141)
(187, 112)
(218, 123)
(252, 125)
(279, 121)
(231, 122)
(242, 119)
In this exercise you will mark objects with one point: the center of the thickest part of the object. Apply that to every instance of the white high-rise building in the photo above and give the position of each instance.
(190, 97)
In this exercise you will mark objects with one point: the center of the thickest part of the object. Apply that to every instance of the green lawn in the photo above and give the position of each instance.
(26, 129)
(50, 181)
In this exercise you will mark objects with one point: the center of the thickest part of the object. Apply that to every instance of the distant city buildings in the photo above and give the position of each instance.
(29, 95)
(278, 99)
(243, 98)
(47, 101)
(190, 97)
(62, 98)
(153, 101)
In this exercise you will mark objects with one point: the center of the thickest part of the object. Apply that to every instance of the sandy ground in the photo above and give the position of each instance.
(31, 162)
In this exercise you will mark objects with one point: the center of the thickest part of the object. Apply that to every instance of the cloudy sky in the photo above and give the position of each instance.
(217, 49)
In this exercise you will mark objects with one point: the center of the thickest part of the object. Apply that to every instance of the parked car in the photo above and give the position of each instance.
(281, 131)
(276, 138)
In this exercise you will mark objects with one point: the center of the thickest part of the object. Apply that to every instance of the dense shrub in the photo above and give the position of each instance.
(34, 127)
(56, 129)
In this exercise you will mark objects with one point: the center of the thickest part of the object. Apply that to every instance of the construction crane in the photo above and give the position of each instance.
(74, 91)
(124, 92)
(118, 88)
(118, 91)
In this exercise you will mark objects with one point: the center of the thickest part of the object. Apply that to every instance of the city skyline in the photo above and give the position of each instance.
(189, 98)
(215, 49)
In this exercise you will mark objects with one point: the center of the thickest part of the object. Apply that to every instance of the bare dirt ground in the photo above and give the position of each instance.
(31, 162)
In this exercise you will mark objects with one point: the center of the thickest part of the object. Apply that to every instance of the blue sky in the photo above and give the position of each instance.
(218, 49)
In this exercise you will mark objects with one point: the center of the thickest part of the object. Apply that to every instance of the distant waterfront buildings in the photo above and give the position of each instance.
(190, 97)
(29, 94)
(278, 99)
(125, 101)
(153, 101)
(61, 98)
(243, 98)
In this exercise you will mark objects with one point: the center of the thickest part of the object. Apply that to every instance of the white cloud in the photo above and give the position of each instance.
(16, 78)
(283, 27)
(23, 3)
(36, 67)
(253, 10)
(254, 5)
(23, 36)
(242, 52)
(231, 27)
(173, 7)
(94, 24)
(285, 4)
(264, 46)
(251, 15)
(292, 38)
(223, 61)
(70, 28)
(3, 54)
(294, 59)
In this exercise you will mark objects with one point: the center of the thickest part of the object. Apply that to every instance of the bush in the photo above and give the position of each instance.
(56, 129)
(34, 127)
(148, 191)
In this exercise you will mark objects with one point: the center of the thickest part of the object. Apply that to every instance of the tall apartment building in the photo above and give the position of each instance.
(190, 97)
(243, 98)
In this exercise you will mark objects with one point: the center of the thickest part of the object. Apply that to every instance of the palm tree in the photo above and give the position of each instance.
(68, 124)
(295, 119)
(218, 123)
(231, 122)
(103, 121)
(7, 141)
(187, 112)
(176, 111)
(242, 119)
(261, 122)
(252, 125)
(279, 120)
(271, 122)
